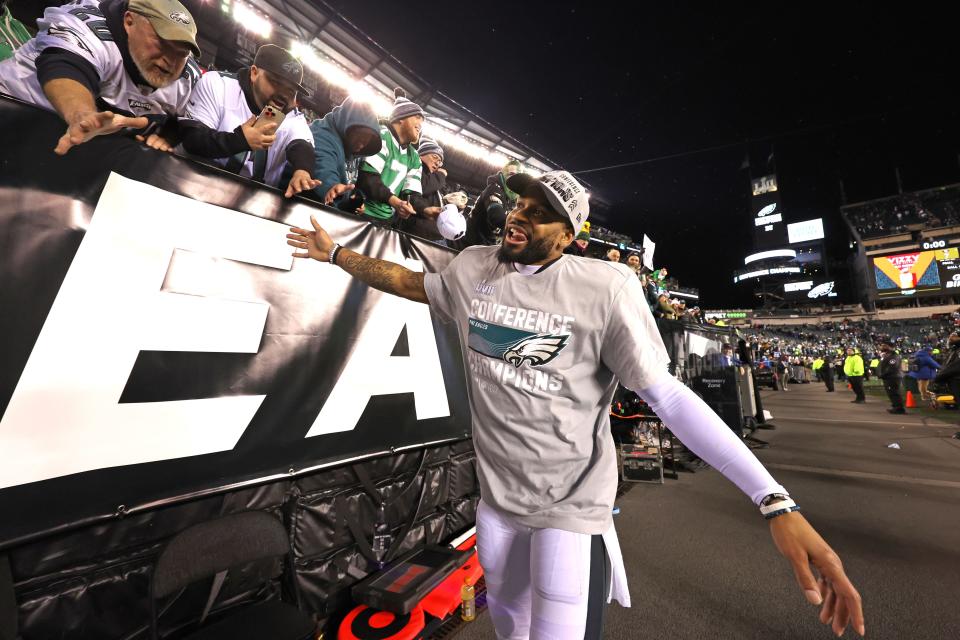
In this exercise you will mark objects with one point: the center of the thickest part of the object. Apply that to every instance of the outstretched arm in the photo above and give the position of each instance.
(704, 433)
(379, 274)
(76, 105)
(634, 351)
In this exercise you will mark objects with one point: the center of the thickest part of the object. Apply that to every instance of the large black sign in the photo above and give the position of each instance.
(160, 342)
(769, 229)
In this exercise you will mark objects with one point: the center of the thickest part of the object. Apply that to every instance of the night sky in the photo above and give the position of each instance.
(835, 95)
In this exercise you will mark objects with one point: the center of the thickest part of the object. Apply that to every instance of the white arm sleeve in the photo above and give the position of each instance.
(634, 351)
(703, 432)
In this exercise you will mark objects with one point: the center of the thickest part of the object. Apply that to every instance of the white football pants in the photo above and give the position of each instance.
(538, 580)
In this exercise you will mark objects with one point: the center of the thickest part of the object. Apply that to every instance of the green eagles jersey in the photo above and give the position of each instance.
(400, 170)
(12, 34)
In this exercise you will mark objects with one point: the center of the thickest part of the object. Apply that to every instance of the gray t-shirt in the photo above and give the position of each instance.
(544, 352)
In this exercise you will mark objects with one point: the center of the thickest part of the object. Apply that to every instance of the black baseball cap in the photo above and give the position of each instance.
(281, 63)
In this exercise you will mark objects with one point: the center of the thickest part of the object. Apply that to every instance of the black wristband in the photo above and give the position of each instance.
(333, 256)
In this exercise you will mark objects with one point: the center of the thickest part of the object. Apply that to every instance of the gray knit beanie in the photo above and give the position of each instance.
(429, 146)
(402, 107)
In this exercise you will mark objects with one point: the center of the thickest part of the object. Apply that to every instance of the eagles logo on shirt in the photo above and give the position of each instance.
(514, 346)
(536, 350)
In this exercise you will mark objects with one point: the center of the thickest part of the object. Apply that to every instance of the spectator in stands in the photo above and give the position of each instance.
(579, 245)
(391, 176)
(664, 308)
(91, 58)
(695, 315)
(222, 121)
(923, 369)
(660, 276)
(433, 183)
(13, 34)
(949, 373)
(613, 255)
(633, 261)
(853, 369)
(341, 139)
(891, 375)
(490, 211)
(650, 290)
(458, 198)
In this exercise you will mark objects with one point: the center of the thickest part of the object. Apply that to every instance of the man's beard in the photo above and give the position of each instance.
(535, 251)
(154, 78)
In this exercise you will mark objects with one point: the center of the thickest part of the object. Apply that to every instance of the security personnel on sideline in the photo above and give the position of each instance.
(853, 369)
(891, 375)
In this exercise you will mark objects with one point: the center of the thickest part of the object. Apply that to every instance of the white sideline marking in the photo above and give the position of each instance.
(863, 474)
(902, 423)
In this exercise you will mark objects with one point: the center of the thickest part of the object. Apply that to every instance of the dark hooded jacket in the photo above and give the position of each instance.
(333, 163)
(489, 213)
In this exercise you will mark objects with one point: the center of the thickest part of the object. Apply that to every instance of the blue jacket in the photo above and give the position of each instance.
(927, 366)
(329, 134)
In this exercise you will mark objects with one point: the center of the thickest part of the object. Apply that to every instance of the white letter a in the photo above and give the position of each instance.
(372, 371)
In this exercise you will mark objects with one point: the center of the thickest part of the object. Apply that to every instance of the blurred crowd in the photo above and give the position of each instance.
(906, 212)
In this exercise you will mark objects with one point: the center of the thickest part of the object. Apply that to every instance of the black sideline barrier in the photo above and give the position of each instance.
(165, 364)
(695, 357)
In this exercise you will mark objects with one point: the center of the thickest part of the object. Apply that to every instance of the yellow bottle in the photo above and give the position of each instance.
(468, 603)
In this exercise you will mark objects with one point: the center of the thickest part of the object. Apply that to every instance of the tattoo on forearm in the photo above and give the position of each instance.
(383, 275)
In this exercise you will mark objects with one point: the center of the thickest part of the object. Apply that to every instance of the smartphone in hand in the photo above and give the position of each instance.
(270, 114)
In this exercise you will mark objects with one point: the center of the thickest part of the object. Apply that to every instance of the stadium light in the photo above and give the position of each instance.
(335, 75)
(251, 20)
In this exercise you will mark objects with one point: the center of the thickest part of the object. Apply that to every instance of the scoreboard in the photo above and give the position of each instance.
(917, 273)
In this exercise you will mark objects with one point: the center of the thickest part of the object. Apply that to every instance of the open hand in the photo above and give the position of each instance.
(300, 181)
(314, 244)
(803, 546)
(87, 125)
(336, 191)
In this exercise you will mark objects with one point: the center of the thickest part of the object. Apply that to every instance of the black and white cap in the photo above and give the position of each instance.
(563, 192)
(282, 64)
